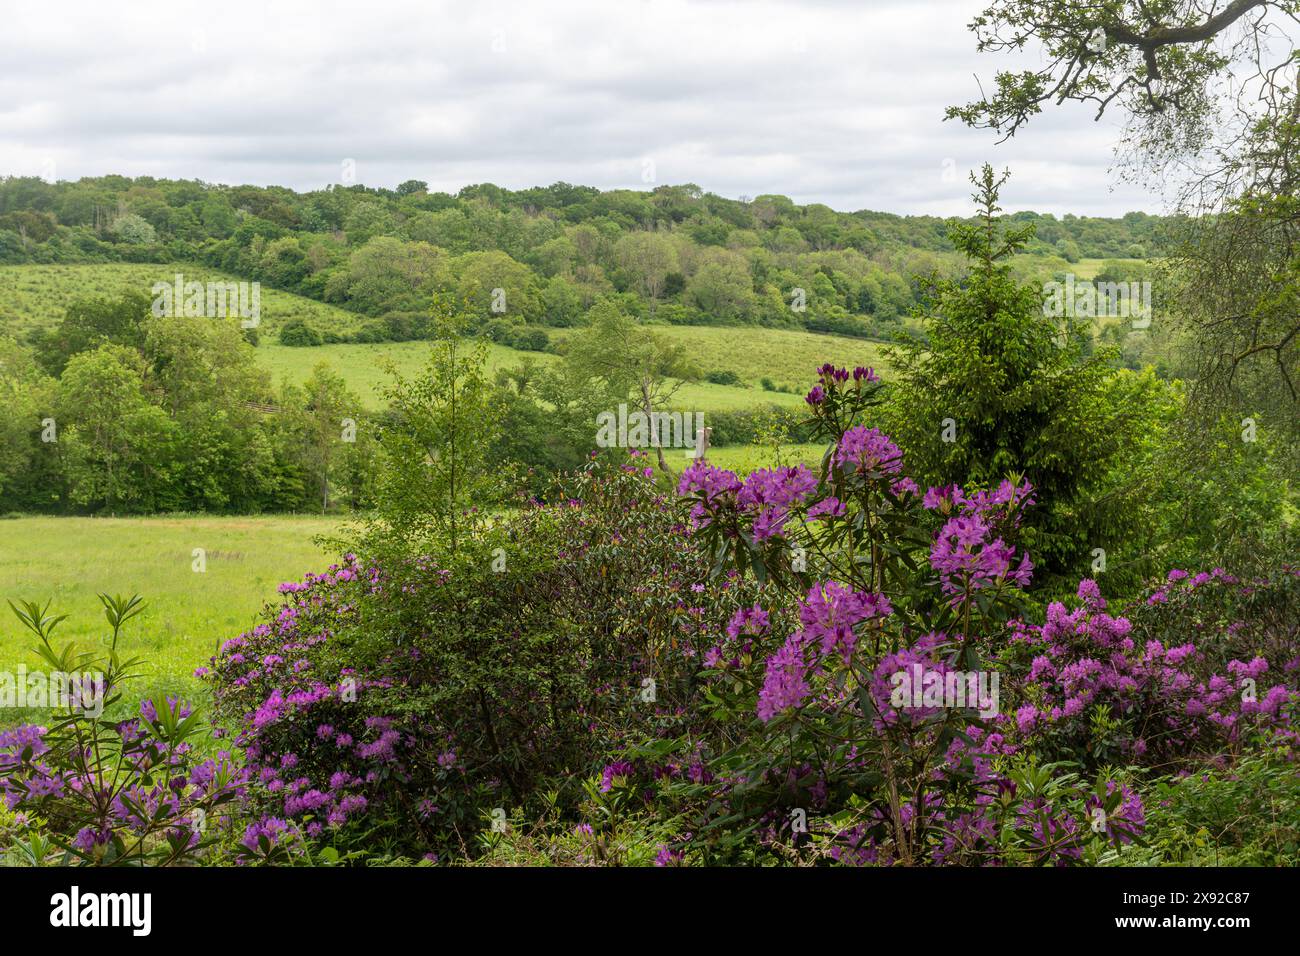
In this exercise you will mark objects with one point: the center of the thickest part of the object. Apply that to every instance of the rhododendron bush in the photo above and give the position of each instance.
(402, 702)
(824, 663)
(1167, 688)
(885, 581)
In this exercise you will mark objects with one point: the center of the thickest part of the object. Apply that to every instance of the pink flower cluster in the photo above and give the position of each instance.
(862, 449)
(830, 614)
(767, 496)
(969, 553)
(1172, 700)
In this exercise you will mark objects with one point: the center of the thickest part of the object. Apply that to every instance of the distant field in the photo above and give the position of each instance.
(36, 295)
(743, 459)
(70, 560)
(1026, 266)
(1088, 268)
(787, 358)
(360, 367)
(784, 356)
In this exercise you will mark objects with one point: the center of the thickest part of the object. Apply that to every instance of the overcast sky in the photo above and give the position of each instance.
(833, 102)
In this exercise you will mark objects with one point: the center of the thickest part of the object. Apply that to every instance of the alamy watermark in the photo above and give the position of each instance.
(919, 687)
(208, 300)
(83, 692)
(1083, 299)
(636, 429)
(75, 908)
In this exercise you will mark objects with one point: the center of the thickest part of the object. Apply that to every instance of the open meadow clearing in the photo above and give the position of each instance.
(785, 358)
(69, 560)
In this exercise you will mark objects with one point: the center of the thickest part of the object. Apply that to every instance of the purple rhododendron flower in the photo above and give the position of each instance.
(868, 449)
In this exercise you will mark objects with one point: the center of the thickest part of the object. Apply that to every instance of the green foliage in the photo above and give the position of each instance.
(115, 444)
(324, 421)
(434, 478)
(612, 831)
(749, 426)
(723, 377)
(134, 229)
(617, 358)
(1243, 816)
(89, 323)
(677, 253)
(999, 388)
(1233, 276)
(296, 332)
(1224, 496)
(162, 413)
(28, 396)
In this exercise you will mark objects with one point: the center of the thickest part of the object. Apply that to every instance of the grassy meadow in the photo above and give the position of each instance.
(787, 358)
(746, 458)
(35, 296)
(70, 560)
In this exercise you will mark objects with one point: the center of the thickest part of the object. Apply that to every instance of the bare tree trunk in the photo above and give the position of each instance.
(648, 409)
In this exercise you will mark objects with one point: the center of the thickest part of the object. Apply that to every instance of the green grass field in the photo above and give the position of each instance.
(71, 560)
(1042, 267)
(362, 365)
(743, 459)
(787, 358)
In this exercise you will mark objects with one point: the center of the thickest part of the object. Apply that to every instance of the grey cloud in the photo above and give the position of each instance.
(823, 101)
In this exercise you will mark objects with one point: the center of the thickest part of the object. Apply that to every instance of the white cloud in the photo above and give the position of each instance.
(840, 103)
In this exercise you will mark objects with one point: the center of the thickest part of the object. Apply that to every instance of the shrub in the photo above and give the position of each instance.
(723, 377)
(501, 331)
(401, 703)
(1002, 385)
(531, 340)
(834, 735)
(610, 832)
(813, 751)
(133, 229)
(770, 386)
(370, 333)
(1161, 690)
(1248, 815)
(746, 426)
(839, 325)
(298, 333)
